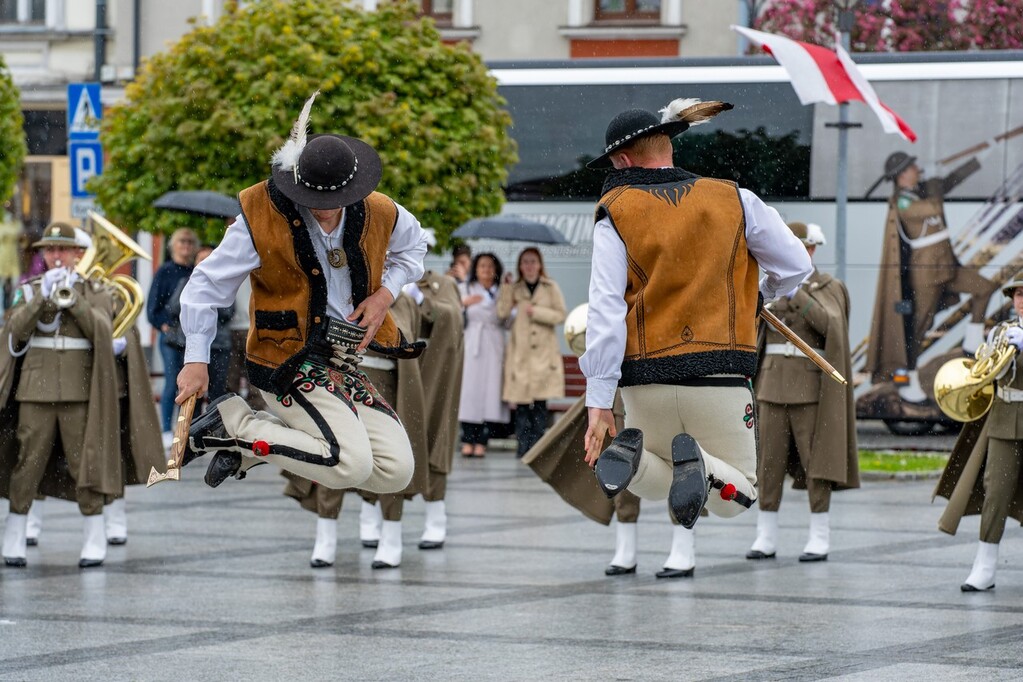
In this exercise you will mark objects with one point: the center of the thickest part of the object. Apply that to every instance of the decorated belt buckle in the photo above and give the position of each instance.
(344, 332)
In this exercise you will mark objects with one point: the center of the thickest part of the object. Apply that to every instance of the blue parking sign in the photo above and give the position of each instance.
(86, 161)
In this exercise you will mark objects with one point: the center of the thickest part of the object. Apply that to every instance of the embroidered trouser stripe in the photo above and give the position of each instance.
(721, 419)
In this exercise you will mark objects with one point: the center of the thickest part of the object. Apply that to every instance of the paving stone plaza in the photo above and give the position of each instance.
(216, 585)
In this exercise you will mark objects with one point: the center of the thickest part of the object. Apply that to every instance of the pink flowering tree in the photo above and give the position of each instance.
(995, 24)
(901, 25)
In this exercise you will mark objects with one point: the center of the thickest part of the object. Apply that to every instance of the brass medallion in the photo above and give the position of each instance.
(337, 258)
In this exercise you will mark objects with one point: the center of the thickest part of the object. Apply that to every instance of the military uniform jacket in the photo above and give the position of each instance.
(962, 481)
(819, 314)
(911, 215)
(63, 376)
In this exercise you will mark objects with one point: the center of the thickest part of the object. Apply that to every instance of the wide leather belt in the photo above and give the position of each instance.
(378, 363)
(59, 343)
(788, 349)
(1010, 395)
(927, 240)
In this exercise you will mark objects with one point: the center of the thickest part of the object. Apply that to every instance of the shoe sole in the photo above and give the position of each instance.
(688, 493)
(966, 587)
(214, 478)
(618, 463)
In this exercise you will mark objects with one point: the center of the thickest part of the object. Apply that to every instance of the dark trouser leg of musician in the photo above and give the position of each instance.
(626, 506)
(1001, 479)
(804, 421)
(219, 360)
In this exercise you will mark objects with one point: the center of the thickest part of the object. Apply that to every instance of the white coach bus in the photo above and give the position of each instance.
(773, 145)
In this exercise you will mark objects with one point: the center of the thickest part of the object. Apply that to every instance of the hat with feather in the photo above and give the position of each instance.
(675, 119)
(324, 171)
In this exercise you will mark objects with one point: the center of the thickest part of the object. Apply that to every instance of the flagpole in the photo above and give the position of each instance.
(846, 17)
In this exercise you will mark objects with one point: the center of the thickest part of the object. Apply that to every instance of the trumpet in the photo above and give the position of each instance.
(964, 388)
(64, 296)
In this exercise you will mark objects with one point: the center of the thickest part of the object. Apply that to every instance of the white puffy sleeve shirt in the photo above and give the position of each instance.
(781, 256)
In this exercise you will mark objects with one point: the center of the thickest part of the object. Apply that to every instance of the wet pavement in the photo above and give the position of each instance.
(216, 584)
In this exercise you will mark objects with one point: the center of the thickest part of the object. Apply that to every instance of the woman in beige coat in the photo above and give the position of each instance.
(533, 369)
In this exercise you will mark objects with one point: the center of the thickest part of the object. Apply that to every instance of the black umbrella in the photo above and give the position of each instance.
(200, 202)
(510, 228)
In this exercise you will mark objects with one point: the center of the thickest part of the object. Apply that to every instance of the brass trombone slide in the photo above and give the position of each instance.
(772, 319)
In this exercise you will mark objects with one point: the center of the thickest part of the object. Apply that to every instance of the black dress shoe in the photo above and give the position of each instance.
(676, 572)
(688, 492)
(966, 587)
(808, 556)
(320, 563)
(383, 564)
(619, 570)
(223, 465)
(117, 541)
(89, 563)
(370, 544)
(31, 542)
(431, 544)
(756, 554)
(207, 431)
(15, 562)
(618, 463)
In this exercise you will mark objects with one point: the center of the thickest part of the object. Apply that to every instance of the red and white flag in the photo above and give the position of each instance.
(820, 75)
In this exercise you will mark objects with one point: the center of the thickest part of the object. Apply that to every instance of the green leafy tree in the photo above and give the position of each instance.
(209, 112)
(12, 134)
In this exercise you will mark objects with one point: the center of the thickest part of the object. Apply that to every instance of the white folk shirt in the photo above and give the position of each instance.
(780, 254)
(214, 282)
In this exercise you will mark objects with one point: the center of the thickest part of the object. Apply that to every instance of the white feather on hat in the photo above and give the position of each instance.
(286, 158)
(82, 238)
(693, 111)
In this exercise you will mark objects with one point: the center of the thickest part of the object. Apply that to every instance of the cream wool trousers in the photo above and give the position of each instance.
(331, 427)
(720, 418)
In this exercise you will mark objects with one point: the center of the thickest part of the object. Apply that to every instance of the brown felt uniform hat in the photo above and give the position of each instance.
(58, 234)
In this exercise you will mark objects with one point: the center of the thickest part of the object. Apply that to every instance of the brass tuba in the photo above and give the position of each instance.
(575, 329)
(111, 248)
(964, 388)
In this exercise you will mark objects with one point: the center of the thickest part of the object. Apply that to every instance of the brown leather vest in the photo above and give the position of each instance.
(692, 284)
(288, 306)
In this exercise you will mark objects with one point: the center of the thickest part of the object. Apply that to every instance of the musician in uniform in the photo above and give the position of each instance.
(58, 342)
(919, 274)
(807, 424)
(326, 256)
(672, 319)
(983, 472)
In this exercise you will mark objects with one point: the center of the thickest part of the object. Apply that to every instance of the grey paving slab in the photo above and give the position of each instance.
(215, 584)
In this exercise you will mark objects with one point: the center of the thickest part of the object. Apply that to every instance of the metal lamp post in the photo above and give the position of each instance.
(846, 10)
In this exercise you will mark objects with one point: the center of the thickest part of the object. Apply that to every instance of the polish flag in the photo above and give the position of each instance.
(820, 75)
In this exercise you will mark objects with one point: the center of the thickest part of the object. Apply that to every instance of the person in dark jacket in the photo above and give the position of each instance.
(161, 309)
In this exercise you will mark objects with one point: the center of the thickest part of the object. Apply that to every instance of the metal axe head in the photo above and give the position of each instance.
(173, 474)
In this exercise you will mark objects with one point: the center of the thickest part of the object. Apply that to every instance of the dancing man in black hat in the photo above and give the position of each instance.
(326, 256)
(672, 319)
(920, 274)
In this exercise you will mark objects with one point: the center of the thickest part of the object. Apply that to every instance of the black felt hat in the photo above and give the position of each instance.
(629, 126)
(332, 171)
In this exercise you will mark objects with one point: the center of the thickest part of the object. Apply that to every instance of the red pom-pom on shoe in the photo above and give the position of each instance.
(728, 492)
(260, 448)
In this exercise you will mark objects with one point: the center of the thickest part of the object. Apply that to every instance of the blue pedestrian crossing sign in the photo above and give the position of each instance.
(84, 111)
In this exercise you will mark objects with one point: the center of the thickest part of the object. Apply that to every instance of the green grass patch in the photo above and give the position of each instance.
(896, 461)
